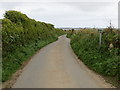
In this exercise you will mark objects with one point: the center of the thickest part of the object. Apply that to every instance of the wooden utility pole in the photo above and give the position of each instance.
(110, 27)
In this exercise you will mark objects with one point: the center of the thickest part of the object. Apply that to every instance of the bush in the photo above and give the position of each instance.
(21, 38)
(104, 60)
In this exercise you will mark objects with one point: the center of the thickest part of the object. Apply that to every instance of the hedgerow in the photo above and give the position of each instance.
(105, 59)
(21, 38)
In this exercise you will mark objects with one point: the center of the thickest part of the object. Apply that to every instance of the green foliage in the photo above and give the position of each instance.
(104, 60)
(0, 50)
(21, 38)
(14, 60)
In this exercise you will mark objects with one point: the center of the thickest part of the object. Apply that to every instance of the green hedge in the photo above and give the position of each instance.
(102, 59)
(21, 38)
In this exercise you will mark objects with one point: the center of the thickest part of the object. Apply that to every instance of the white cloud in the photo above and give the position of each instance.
(59, 0)
(68, 13)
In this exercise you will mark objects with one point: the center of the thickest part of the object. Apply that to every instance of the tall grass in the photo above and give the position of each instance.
(105, 59)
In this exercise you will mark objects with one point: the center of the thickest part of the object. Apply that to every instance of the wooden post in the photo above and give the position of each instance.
(100, 37)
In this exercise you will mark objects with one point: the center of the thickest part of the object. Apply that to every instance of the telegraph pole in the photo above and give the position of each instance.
(110, 26)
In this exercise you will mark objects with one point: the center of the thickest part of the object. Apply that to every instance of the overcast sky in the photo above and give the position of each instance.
(66, 13)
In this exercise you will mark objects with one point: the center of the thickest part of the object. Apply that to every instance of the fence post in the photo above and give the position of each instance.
(100, 37)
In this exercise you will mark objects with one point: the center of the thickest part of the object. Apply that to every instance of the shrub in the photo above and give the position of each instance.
(21, 38)
(103, 60)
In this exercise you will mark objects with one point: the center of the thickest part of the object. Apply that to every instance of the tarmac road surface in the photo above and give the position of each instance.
(56, 66)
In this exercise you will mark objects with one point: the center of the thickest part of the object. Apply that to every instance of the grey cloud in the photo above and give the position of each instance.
(38, 10)
(73, 14)
(10, 5)
(88, 6)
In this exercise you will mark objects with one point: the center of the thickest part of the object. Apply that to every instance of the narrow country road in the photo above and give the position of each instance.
(55, 66)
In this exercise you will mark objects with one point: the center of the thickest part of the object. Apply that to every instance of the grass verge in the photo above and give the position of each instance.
(13, 61)
(103, 60)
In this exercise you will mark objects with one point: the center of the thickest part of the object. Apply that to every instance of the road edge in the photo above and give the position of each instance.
(92, 73)
(9, 83)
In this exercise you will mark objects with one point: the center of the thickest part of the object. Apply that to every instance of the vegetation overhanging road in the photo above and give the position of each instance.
(56, 66)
